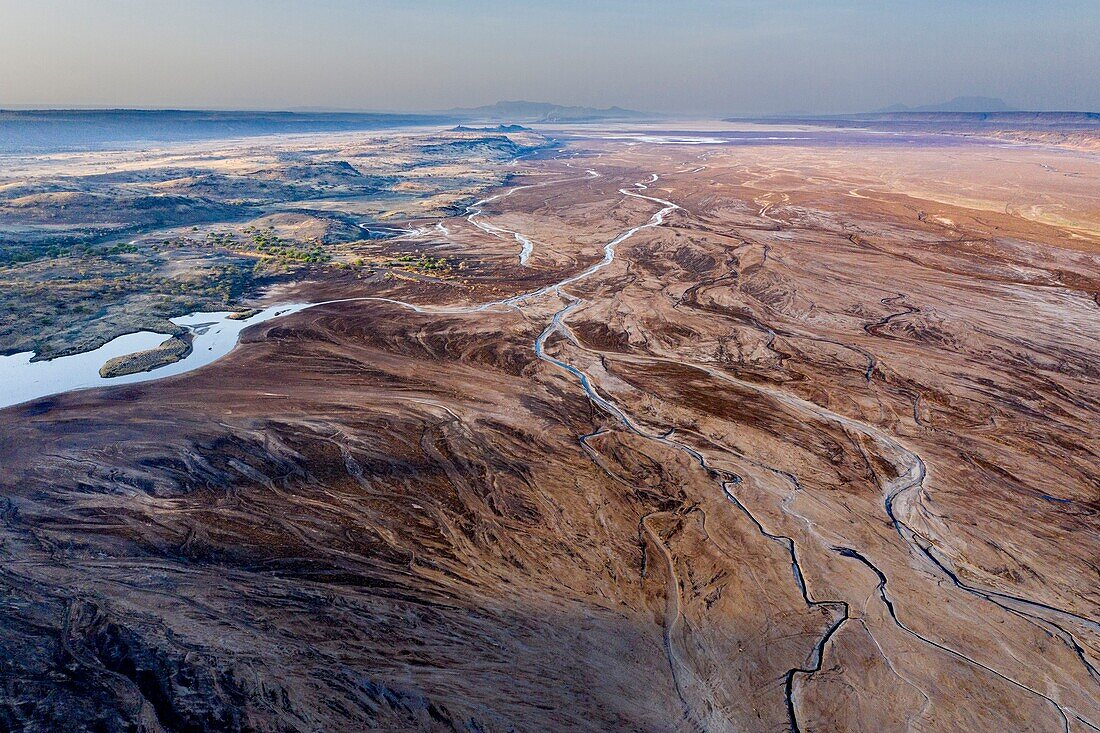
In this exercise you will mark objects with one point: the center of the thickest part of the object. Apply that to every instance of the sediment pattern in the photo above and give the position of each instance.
(752, 439)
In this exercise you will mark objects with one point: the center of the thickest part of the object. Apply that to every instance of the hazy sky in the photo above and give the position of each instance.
(708, 57)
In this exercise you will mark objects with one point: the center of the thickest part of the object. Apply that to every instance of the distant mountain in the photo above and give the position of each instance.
(498, 128)
(958, 104)
(544, 112)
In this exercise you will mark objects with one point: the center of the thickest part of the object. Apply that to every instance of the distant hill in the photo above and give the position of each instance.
(544, 112)
(1073, 130)
(958, 104)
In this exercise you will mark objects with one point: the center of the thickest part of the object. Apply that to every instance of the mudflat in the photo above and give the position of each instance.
(790, 435)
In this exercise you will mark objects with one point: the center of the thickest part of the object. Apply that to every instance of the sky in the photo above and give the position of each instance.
(702, 58)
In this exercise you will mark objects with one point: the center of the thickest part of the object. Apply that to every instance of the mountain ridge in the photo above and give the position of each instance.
(544, 112)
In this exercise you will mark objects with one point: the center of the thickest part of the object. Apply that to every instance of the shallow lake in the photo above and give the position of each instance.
(215, 334)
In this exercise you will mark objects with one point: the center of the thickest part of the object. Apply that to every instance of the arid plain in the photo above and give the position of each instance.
(763, 435)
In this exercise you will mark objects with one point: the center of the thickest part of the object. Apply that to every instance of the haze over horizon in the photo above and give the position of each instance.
(700, 58)
(615, 366)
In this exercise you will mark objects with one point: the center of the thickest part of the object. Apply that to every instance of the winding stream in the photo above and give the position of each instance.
(475, 210)
(910, 479)
(215, 335)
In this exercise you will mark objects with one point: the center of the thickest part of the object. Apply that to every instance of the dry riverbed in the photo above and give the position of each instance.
(780, 435)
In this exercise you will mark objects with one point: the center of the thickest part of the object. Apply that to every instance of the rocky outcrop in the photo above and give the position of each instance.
(171, 351)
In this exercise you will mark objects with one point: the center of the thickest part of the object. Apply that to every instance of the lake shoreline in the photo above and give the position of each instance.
(132, 358)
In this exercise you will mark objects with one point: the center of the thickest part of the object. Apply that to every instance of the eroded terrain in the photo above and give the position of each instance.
(98, 244)
(761, 437)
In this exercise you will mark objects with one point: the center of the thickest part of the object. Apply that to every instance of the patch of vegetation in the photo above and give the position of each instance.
(227, 240)
(121, 248)
(267, 242)
(15, 254)
(422, 263)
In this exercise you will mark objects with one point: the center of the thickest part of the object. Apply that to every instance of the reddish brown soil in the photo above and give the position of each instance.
(370, 518)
